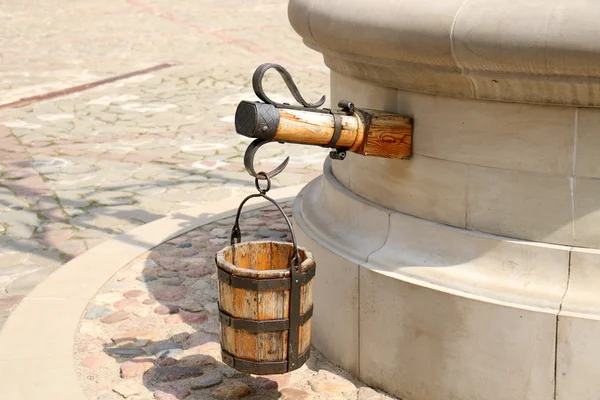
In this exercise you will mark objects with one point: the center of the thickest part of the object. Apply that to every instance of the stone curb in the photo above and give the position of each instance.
(36, 344)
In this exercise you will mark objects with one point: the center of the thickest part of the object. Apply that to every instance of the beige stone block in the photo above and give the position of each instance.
(508, 136)
(340, 219)
(40, 377)
(403, 76)
(504, 87)
(335, 316)
(23, 334)
(375, 29)
(528, 38)
(365, 95)
(577, 355)
(483, 266)
(578, 335)
(520, 205)
(423, 187)
(341, 169)
(509, 23)
(420, 343)
(588, 143)
(581, 298)
(587, 212)
(362, 93)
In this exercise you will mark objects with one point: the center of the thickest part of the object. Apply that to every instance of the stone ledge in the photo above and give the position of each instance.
(542, 52)
(484, 267)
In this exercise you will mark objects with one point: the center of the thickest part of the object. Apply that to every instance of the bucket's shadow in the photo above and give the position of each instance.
(176, 346)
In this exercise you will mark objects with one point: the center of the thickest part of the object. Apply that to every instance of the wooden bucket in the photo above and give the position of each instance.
(265, 304)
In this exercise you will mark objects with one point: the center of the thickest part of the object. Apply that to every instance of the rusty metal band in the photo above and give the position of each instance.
(240, 282)
(262, 367)
(271, 325)
(295, 299)
(337, 130)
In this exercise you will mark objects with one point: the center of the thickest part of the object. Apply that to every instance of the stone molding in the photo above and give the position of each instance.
(425, 310)
(543, 52)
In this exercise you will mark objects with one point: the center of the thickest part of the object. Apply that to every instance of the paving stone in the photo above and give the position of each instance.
(197, 360)
(366, 393)
(24, 284)
(198, 271)
(125, 303)
(20, 217)
(211, 327)
(165, 309)
(270, 382)
(135, 368)
(20, 230)
(126, 388)
(146, 278)
(169, 293)
(168, 274)
(168, 361)
(115, 317)
(200, 338)
(171, 392)
(166, 349)
(192, 303)
(135, 335)
(264, 234)
(175, 372)
(326, 382)
(212, 308)
(279, 227)
(230, 372)
(174, 281)
(232, 390)
(133, 293)
(126, 351)
(10, 302)
(294, 394)
(207, 381)
(97, 312)
(185, 317)
(93, 362)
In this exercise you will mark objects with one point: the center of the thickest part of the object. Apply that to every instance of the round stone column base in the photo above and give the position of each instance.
(426, 311)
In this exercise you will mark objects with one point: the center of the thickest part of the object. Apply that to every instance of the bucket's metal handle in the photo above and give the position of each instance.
(236, 233)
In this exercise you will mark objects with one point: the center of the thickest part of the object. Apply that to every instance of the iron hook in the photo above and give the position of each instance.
(249, 160)
(257, 79)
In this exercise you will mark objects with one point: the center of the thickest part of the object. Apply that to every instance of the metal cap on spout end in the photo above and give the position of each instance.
(257, 120)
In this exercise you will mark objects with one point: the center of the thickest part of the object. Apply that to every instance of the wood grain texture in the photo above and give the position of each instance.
(387, 136)
(367, 132)
(309, 127)
(263, 258)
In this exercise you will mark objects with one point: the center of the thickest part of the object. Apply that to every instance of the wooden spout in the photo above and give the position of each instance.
(365, 132)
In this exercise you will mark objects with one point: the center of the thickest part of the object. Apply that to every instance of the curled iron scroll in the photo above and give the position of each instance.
(249, 160)
(257, 79)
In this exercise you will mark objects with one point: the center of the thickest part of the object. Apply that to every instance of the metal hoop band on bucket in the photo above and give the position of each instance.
(297, 278)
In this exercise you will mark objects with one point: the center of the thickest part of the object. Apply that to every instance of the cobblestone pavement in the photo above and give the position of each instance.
(79, 169)
(153, 332)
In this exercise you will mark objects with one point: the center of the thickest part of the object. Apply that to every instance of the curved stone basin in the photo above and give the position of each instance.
(476, 262)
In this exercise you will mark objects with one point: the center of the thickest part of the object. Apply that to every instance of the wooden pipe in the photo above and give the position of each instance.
(365, 132)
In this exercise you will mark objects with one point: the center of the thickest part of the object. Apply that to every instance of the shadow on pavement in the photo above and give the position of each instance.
(175, 348)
